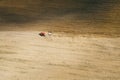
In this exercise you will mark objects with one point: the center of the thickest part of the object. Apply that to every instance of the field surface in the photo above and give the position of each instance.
(27, 56)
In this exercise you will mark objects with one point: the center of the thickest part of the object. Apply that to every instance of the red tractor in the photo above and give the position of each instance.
(42, 34)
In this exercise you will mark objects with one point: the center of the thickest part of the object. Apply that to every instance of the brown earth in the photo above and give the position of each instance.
(27, 56)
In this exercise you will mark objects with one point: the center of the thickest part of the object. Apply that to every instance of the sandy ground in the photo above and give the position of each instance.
(27, 56)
